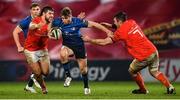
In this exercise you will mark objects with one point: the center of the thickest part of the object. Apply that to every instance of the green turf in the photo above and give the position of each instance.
(100, 90)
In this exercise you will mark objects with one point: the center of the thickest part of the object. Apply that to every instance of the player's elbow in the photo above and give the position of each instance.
(17, 30)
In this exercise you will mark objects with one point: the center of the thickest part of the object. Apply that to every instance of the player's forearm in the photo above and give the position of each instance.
(106, 24)
(16, 32)
(99, 26)
(98, 42)
(16, 38)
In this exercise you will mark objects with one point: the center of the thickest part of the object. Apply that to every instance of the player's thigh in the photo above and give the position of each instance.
(154, 66)
(31, 56)
(35, 68)
(45, 63)
(82, 64)
(136, 66)
(32, 60)
(80, 52)
(65, 52)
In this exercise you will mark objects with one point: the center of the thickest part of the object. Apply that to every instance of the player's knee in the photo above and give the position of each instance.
(63, 57)
(46, 73)
(37, 73)
(131, 71)
(83, 70)
(154, 73)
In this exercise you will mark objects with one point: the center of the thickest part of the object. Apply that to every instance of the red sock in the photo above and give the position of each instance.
(163, 79)
(43, 85)
(139, 80)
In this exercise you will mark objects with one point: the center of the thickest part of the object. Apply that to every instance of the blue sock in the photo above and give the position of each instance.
(66, 67)
(85, 80)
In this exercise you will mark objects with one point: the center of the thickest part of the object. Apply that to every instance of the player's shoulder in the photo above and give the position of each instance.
(130, 21)
(57, 21)
(26, 19)
(37, 18)
(77, 20)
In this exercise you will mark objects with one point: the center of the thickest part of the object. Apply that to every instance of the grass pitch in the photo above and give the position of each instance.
(99, 90)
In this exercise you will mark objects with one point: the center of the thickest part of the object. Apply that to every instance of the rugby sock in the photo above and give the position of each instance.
(43, 84)
(85, 80)
(66, 67)
(30, 82)
(139, 80)
(163, 79)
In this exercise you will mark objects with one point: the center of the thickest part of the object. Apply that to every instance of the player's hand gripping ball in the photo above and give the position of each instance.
(55, 33)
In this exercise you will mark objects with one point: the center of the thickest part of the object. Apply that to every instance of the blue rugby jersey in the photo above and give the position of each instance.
(24, 25)
(71, 32)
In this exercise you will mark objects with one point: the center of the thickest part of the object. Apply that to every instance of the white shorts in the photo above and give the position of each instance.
(35, 56)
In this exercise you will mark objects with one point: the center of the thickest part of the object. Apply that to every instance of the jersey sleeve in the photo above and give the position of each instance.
(117, 35)
(83, 22)
(23, 24)
(56, 23)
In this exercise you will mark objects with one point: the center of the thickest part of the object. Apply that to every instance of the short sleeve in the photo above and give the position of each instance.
(82, 22)
(23, 24)
(117, 35)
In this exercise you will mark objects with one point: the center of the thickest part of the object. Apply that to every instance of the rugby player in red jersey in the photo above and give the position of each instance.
(143, 51)
(35, 47)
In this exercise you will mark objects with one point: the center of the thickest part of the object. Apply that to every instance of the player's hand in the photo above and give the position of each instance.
(109, 33)
(82, 15)
(20, 49)
(86, 38)
(40, 25)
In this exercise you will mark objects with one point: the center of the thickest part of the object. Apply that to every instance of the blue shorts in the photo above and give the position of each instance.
(79, 50)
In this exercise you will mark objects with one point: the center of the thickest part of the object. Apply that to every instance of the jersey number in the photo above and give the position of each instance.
(136, 31)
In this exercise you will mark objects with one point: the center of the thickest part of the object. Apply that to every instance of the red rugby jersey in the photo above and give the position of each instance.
(36, 39)
(136, 42)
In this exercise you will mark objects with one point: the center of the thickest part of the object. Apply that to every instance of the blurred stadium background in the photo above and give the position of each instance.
(160, 20)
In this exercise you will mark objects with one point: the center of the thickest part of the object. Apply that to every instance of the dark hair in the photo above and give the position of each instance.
(66, 11)
(46, 9)
(34, 5)
(121, 16)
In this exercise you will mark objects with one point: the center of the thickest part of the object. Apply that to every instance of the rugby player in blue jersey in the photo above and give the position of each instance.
(23, 26)
(73, 43)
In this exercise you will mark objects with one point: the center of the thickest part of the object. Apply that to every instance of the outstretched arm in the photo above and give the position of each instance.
(99, 26)
(102, 42)
(108, 25)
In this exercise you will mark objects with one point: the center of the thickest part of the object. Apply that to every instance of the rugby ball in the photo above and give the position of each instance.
(55, 33)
